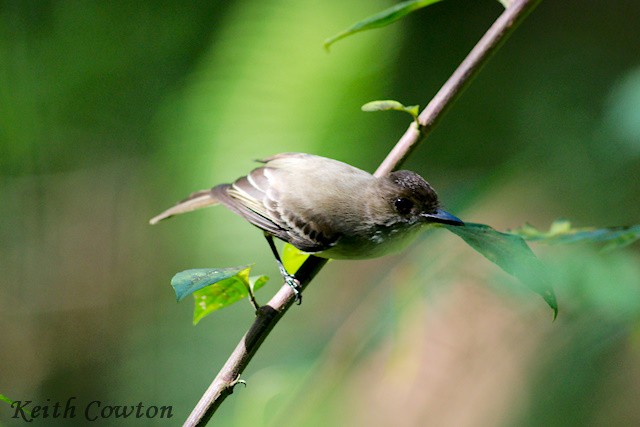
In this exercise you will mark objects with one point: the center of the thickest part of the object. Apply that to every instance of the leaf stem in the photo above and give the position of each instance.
(252, 299)
(269, 314)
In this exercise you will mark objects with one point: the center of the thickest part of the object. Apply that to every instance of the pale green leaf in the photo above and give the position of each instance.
(224, 293)
(293, 258)
(389, 104)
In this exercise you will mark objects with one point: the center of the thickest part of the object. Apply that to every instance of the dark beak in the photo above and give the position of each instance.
(442, 217)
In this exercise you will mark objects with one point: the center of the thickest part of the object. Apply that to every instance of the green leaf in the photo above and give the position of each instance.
(224, 293)
(293, 258)
(511, 253)
(390, 104)
(381, 19)
(189, 281)
(562, 232)
(256, 282)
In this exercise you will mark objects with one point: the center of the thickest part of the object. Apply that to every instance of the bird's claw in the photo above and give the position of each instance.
(295, 285)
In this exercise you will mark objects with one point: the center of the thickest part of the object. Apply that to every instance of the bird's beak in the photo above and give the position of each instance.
(442, 217)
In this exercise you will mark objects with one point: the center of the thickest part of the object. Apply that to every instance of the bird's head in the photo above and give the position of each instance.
(410, 199)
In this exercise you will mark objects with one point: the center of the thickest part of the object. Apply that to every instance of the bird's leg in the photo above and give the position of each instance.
(289, 279)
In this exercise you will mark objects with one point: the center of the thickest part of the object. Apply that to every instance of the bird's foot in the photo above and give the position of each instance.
(295, 285)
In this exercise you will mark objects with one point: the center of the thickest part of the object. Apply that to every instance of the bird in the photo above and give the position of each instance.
(325, 207)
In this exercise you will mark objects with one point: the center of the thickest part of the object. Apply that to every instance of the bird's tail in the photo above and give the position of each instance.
(197, 200)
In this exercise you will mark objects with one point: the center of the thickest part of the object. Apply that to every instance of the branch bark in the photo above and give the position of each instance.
(269, 315)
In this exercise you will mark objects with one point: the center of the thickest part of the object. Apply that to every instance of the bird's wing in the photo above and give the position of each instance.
(285, 156)
(257, 199)
(205, 198)
(197, 200)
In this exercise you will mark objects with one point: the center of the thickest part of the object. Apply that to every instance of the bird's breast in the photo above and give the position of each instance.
(371, 243)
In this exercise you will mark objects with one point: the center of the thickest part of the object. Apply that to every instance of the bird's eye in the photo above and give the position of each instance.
(403, 205)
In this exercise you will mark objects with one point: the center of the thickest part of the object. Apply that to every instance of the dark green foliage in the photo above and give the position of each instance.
(511, 253)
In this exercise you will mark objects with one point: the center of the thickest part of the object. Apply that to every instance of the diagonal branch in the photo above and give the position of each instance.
(268, 315)
(461, 77)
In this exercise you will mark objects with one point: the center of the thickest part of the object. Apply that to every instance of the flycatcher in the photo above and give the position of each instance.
(325, 207)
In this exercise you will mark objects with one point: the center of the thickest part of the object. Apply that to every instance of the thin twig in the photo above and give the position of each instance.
(268, 315)
(461, 77)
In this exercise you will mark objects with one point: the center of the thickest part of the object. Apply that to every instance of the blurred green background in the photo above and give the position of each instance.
(110, 112)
